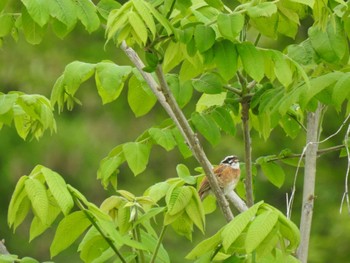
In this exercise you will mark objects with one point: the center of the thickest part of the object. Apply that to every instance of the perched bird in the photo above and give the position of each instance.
(227, 173)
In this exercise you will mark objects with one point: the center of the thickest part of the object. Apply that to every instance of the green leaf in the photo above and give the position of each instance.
(331, 44)
(319, 84)
(110, 80)
(105, 7)
(37, 227)
(86, 12)
(64, 11)
(138, 25)
(225, 57)
(224, 120)
(206, 245)
(140, 97)
(195, 213)
(161, 19)
(178, 199)
(274, 173)
(287, 228)
(68, 230)
(157, 191)
(206, 101)
(184, 173)
(282, 68)
(7, 101)
(38, 10)
(75, 74)
(181, 144)
(264, 9)
(206, 126)
(183, 226)
(181, 91)
(163, 137)
(305, 2)
(252, 60)
(204, 36)
(235, 228)
(32, 31)
(261, 226)
(36, 192)
(230, 25)
(94, 246)
(59, 190)
(341, 90)
(19, 204)
(209, 83)
(7, 22)
(141, 8)
(136, 154)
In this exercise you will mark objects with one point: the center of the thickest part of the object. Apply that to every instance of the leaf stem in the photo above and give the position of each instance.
(93, 222)
(160, 239)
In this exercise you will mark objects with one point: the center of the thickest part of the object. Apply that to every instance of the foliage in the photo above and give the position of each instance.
(201, 49)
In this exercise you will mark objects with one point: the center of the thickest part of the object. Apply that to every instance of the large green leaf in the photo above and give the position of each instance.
(139, 27)
(136, 154)
(38, 10)
(206, 126)
(110, 80)
(341, 90)
(59, 190)
(32, 31)
(262, 9)
(37, 195)
(7, 23)
(330, 44)
(225, 57)
(224, 120)
(234, 229)
(181, 91)
(230, 25)
(274, 173)
(141, 8)
(178, 199)
(259, 229)
(204, 37)
(68, 230)
(17, 203)
(64, 11)
(163, 137)
(209, 83)
(252, 60)
(140, 97)
(86, 12)
(206, 245)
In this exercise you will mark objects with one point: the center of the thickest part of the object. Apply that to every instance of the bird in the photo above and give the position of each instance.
(227, 174)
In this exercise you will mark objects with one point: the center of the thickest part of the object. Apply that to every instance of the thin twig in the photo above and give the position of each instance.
(104, 236)
(290, 199)
(346, 190)
(160, 239)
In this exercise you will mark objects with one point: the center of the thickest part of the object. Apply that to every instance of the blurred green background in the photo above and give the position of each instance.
(90, 131)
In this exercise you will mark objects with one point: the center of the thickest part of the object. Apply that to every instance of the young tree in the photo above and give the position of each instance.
(177, 48)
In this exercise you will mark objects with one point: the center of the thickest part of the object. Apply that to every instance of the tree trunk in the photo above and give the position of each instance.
(309, 183)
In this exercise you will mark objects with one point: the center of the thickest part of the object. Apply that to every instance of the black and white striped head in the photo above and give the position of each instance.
(231, 160)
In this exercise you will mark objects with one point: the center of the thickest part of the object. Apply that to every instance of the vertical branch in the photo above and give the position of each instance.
(313, 119)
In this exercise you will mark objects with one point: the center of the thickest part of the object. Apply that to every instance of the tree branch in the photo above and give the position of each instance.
(313, 119)
(167, 100)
